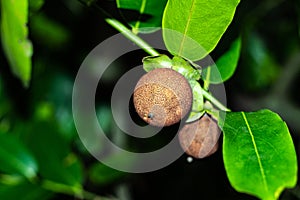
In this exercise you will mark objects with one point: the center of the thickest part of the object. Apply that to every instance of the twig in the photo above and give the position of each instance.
(131, 36)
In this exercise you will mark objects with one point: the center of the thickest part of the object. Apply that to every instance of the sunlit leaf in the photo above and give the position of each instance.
(192, 28)
(259, 154)
(14, 32)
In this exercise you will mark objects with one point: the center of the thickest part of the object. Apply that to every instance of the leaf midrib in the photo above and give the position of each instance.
(256, 152)
(186, 28)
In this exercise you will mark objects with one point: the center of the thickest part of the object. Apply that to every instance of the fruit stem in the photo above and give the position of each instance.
(131, 36)
(213, 100)
(206, 81)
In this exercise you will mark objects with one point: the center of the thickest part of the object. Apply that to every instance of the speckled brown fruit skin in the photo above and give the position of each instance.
(162, 97)
(199, 139)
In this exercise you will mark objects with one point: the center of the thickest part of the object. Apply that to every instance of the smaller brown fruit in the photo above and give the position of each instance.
(199, 139)
(162, 97)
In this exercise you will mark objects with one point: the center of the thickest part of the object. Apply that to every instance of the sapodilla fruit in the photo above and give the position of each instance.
(200, 138)
(162, 97)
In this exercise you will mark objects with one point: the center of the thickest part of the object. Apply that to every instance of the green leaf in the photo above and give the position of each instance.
(259, 67)
(15, 158)
(62, 84)
(48, 32)
(24, 191)
(142, 15)
(225, 65)
(35, 5)
(14, 31)
(154, 62)
(259, 154)
(53, 154)
(11, 179)
(192, 28)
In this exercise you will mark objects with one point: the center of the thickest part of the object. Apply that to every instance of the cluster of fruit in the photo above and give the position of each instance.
(164, 97)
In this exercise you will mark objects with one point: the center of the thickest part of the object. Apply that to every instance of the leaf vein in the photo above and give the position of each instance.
(186, 28)
(256, 152)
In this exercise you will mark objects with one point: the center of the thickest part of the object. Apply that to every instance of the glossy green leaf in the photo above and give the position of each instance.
(142, 15)
(259, 154)
(14, 31)
(15, 158)
(192, 28)
(23, 191)
(154, 62)
(225, 65)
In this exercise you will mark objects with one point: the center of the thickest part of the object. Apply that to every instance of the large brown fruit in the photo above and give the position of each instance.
(199, 139)
(162, 97)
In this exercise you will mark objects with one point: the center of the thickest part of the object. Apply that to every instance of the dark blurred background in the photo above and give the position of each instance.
(64, 32)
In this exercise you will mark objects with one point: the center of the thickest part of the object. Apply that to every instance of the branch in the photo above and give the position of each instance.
(131, 36)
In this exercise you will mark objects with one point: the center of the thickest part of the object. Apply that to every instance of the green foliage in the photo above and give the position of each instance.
(17, 48)
(131, 36)
(35, 5)
(259, 154)
(48, 32)
(192, 28)
(4, 104)
(101, 174)
(154, 62)
(148, 14)
(61, 166)
(225, 65)
(185, 68)
(40, 153)
(15, 158)
(24, 191)
(197, 107)
(177, 63)
(260, 67)
(58, 106)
